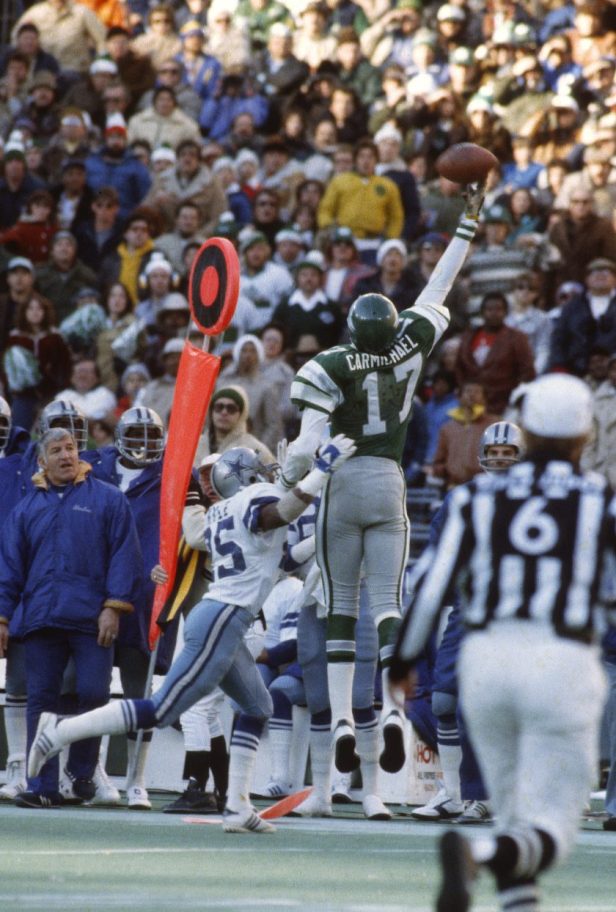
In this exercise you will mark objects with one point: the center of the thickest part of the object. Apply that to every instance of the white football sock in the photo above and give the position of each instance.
(15, 724)
(340, 683)
(112, 719)
(367, 740)
(241, 767)
(138, 771)
(451, 758)
(280, 748)
(321, 762)
(389, 705)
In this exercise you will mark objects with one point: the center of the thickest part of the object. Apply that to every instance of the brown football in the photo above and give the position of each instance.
(465, 163)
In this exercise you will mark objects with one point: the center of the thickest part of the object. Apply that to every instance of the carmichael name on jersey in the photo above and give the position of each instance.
(369, 397)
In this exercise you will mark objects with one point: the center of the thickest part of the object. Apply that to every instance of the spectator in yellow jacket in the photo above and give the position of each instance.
(368, 204)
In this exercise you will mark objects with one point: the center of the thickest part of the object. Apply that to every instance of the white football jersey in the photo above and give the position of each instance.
(245, 561)
(281, 612)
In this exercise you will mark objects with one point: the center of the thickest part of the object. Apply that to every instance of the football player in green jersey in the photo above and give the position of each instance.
(365, 390)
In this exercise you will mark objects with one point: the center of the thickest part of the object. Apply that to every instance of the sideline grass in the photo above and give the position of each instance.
(104, 861)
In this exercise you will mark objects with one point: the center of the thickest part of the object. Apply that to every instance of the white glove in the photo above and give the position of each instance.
(474, 195)
(334, 453)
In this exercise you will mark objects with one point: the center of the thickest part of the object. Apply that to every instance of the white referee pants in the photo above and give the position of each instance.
(533, 703)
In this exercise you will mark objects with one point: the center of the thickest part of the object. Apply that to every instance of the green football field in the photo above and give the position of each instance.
(102, 860)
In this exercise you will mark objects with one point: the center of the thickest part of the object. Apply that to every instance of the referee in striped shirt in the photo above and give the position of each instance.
(533, 555)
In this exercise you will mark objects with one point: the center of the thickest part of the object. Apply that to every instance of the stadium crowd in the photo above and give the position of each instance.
(307, 133)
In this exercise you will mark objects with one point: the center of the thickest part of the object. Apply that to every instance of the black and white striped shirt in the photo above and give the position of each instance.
(535, 543)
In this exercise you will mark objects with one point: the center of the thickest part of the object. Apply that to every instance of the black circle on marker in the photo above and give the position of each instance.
(214, 316)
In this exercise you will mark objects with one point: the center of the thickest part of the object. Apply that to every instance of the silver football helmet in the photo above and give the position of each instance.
(63, 414)
(5, 423)
(140, 435)
(236, 469)
(501, 433)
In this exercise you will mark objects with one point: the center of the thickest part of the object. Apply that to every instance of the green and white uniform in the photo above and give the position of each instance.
(369, 397)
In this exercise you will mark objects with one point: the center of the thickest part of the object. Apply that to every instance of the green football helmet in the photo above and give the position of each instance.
(373, 323)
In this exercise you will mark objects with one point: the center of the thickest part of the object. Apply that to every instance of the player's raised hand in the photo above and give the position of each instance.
(334, 453)
(474, 195)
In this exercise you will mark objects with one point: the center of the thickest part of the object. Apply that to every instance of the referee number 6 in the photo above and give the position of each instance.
(533, 531)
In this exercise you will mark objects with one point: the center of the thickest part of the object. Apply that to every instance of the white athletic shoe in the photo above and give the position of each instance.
(393, 754)
(313, 806)
(274, 789)
(341, 788)
(46, 744)
(15, 778)
(106, 792)
(441, 807)
(374, 809)
(245, 821)
(138, 799)
(476, 812)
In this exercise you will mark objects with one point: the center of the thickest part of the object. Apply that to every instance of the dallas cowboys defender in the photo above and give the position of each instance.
(365, 390)
(244, 533)
(533, 554)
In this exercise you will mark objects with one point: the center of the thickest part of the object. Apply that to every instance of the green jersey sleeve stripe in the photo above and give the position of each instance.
(314, 374)
(303, 393)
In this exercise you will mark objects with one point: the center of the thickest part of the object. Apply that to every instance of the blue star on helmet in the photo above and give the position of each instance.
(235, 469)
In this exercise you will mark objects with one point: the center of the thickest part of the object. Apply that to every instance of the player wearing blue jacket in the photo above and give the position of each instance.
(70, 555)
(134, 465)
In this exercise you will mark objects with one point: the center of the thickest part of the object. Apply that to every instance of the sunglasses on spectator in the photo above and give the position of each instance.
(158, 20)
(173, 71)
(229, 407)
(116, 98)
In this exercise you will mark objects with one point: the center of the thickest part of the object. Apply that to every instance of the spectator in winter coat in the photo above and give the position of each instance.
(586, 321)
(600, 452)
(308, 311)
(164, 123)
(70, 555)
(226, 426)
(64, 274)
(494, 355)
(581, 236)
(35, 333)
(245, 371)
(456, 458)
(115, 166)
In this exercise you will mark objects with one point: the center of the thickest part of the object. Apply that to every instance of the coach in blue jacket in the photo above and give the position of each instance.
(70, 553)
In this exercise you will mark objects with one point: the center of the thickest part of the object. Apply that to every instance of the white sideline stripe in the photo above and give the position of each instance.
(105, 901)
(216, 850)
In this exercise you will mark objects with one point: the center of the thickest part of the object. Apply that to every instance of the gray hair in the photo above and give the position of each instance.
(51, 436)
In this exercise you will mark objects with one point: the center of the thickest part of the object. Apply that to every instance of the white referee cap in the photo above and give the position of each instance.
(557, 405)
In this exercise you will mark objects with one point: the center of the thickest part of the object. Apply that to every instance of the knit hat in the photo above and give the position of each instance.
(289, 234)
(314, 259)
(235, 393)
(115, 123)
(248, 337)
(388, 131)
(192, 27)
(158, 261)
(20, 262)
(138, 368)
(163, 153)
(103, 65)
(14, 151)
(386, 246)
(250, 238)
(173, 347)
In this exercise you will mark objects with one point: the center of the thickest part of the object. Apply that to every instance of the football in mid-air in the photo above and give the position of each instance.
(465, 163)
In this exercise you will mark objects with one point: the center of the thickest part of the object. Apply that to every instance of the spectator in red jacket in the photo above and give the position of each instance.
(32, 235)
(495, 355)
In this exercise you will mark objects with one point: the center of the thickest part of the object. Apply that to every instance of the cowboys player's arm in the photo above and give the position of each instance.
(335, 381)
(440, 569)
(330, 456)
